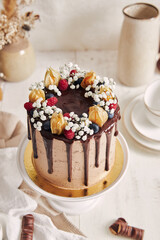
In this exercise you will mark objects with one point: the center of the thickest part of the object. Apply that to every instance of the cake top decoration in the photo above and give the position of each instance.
(72, 102)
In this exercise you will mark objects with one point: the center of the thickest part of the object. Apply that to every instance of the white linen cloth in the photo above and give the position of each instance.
(14, 204)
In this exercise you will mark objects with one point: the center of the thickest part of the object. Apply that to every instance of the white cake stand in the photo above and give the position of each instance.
(68, 205)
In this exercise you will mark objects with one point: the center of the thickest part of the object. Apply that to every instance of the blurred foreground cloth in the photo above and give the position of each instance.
(11, 130)
(17, 199)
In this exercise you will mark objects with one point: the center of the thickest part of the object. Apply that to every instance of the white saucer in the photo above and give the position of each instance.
(141, 123)
(71, 206)
(132, 131)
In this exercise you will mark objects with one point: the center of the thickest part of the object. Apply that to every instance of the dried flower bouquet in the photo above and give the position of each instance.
(13, 23)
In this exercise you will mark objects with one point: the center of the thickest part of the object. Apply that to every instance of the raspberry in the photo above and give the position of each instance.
(28, 106)
(113, 106)
(52, 101)
(63, 85)
(66, 115)
(72, 72)
(69, 134)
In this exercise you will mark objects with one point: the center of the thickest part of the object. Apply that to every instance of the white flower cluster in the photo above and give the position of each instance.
(13, 20)
(8, 30)
(55, 89)
(42, 112)
(72, 78)
(37, 85)
(99, 97)
(79, 125)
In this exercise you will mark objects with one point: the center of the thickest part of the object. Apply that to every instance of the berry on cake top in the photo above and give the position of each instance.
(71, 88)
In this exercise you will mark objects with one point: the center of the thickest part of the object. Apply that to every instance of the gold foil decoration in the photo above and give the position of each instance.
(52, 77)
(98, 115)
(50, 188)
(57, 123)
(35, 94)
(88, 79)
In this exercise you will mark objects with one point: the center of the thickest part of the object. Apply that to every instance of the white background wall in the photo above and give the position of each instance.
(79, 24)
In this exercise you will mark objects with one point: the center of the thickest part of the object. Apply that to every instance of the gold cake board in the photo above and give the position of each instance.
(50, 188)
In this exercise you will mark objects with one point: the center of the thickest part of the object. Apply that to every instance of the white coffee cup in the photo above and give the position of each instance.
(152, 103)
(138, 45)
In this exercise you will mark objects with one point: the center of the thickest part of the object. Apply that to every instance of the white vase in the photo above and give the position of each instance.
(138, 46)
(17, 60)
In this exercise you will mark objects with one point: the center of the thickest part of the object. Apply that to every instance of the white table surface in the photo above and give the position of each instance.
(137, 197)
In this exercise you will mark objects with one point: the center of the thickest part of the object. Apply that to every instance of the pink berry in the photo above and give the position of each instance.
(52, 101)
(28, 106)
(113, 106)
(69, 134)
(72, 72)
(63, 85)
(66, 115)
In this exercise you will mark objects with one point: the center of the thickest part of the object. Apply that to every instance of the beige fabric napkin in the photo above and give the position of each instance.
(11, 133)
(11, 130)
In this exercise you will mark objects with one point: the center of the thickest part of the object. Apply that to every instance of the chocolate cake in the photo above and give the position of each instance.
(72, 122)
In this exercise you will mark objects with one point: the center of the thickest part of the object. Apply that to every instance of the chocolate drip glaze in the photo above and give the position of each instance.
(116, 131)
(85, 192)
(34, 142)
(29, 133)
(69, 159)
(74, 101)
(97, 142)
(48, 146)
(108, 139)
(86, 145)
(48, 136)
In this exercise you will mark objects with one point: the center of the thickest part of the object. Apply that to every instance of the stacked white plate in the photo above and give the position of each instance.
(139, 127)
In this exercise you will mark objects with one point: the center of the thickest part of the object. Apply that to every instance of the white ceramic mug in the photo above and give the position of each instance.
(138, 45)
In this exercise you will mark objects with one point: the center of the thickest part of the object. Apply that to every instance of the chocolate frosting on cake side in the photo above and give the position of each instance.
(48, 139)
